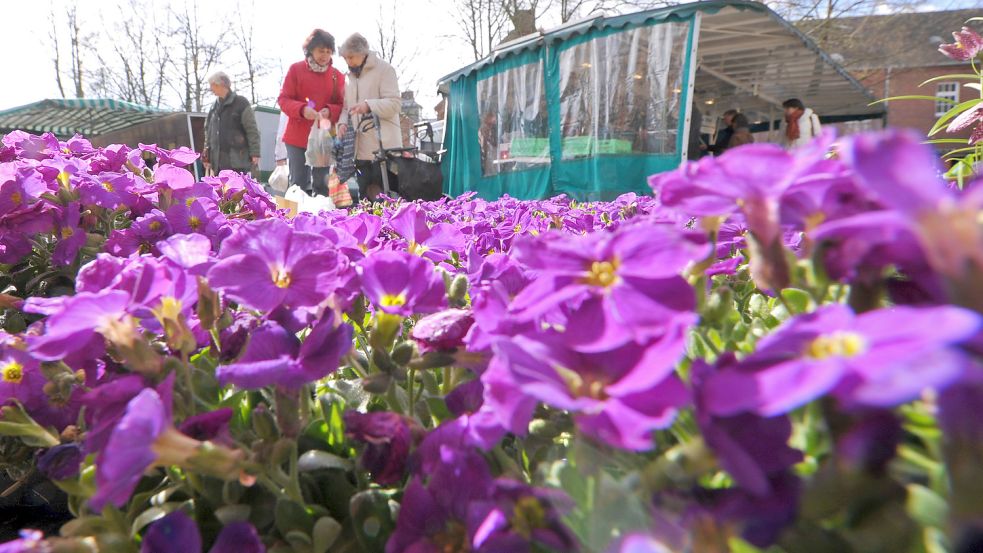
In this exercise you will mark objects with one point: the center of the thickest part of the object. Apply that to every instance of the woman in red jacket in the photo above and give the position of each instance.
(312, 89)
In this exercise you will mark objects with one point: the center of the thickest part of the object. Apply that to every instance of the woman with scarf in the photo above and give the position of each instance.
(313, 89)
(801, 124)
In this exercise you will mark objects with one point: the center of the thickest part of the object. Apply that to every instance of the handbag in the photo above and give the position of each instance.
(320, 145)
(279, 179)
(338, 191)
(345, 154)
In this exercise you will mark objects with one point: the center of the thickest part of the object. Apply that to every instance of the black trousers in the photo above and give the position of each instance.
(309, 179)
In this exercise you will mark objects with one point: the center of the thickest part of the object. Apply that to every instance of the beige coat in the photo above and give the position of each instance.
(378, 86)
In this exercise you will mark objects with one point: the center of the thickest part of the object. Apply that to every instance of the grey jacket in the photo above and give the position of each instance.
(231, 134)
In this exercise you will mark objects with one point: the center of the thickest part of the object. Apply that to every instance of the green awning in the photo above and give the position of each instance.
(85, 116)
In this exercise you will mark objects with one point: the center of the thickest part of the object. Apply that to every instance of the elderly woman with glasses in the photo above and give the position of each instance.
(372, 88)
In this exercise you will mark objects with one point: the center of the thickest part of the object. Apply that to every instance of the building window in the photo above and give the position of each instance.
(948, 96)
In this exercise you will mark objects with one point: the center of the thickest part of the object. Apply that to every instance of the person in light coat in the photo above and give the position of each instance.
(371, 88)
(801, 124)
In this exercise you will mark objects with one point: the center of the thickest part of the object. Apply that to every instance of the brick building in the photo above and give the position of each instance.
(893, 54)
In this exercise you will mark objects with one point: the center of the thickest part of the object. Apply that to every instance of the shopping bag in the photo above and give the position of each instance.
(320, 145)
(338, 191)
(280, 179)
(345, 155)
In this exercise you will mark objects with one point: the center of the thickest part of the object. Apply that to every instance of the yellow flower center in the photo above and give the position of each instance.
(281, 278)
(155, 226)
(453, 539)
(194, 222)
(517, 228)
(393, 300)
(189, 201)
(579, 386)
(170, 307)
(528, 515)
(16, 198)
(13, 372)
(63, 178)
(603, 274)
(108, 186)
(66, 233)
(837, 344)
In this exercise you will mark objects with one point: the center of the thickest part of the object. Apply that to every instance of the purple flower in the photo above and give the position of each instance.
(238, 537)
(517, 516)
(967, 118)
(628, 280)
(146, 230)
(968, 44)
(179, 157)
(71, 237)
(174, 178)
(190, 251)
(435, 517)
(388, 438)
(30, 541)
(175, 532)
(866, 359)
(274, 355)
(61, 462)
(619, 396)
(434, 243)
(750, 448)
(749, 180)
(106, 404)
(266, 264)
(399, 283)
(75, 327)
(129, 450)
(442, 331)
(212, 426)
(199, 215)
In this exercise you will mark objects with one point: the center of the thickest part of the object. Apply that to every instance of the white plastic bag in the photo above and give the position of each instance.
(320, 145)
(306, 203)
(280, 179)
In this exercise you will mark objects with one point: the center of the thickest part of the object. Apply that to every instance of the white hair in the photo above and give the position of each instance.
(355, 44)
(221, 79)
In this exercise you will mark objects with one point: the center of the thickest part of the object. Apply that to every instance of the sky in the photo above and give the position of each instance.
(280, 28)
(425, 27)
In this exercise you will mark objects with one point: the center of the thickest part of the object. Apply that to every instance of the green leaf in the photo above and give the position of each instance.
(798, 300)
(147, 517)
(372, 520)
(951, 114)
(316, 459)
(290, 516)
(926, 506)
(326, 532)
(962, 76)
(911, 97)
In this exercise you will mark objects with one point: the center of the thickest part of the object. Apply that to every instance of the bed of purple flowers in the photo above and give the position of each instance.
(774, 352)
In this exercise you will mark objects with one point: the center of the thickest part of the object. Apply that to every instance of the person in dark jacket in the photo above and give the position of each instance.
(231, 134)
(313, 89)
(724, 134)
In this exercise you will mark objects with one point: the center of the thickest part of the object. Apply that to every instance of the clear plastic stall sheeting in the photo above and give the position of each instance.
(513, 131)
(620, 93)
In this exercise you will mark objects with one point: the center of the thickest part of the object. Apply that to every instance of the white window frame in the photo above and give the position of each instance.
(948, 90)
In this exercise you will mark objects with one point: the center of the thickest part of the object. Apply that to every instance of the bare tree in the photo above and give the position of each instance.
(77, 44)
(255, 66)
(53, 32)
(200, 53)
(482, 24)
(134, 65)
(393, 49)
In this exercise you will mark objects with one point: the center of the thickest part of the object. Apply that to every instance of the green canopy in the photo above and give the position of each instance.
(66, 117)
(594, 107)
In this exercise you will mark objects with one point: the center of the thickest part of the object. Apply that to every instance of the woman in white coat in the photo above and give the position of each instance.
(801, 124)
(371, 88)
